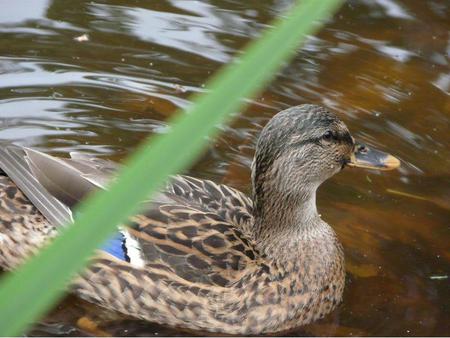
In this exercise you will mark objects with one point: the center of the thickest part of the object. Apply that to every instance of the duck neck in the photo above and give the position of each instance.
(283, 219)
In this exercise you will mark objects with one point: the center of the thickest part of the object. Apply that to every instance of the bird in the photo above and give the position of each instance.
(201, 255)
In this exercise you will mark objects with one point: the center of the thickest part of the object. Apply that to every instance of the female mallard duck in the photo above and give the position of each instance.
(202, 255)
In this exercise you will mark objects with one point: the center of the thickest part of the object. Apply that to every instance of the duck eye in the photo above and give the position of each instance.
(328, 136)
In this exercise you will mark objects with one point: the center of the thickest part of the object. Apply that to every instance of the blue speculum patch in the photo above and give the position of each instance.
(116, 246)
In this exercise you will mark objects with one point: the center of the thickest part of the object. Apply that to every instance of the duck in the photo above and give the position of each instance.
(200, 255)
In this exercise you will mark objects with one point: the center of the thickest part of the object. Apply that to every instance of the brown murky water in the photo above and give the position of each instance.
(383, 65)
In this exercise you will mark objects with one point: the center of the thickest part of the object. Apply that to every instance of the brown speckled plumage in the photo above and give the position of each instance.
(211, 258)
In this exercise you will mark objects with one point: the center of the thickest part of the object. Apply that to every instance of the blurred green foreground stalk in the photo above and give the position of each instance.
(28, 293)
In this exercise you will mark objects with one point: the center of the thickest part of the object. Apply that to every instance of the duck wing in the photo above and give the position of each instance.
(194, 229)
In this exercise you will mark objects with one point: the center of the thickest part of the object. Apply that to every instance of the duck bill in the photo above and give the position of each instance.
(367, 157)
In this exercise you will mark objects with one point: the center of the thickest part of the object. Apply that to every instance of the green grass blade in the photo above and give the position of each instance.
(27, 293)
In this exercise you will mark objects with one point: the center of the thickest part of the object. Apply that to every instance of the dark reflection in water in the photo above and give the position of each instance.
(383, 65)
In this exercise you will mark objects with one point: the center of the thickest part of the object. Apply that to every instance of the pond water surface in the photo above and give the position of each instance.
(382, 65)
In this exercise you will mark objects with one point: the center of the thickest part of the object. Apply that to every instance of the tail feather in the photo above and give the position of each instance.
(14, 164)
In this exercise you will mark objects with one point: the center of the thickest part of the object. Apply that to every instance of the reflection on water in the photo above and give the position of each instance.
(382, 65)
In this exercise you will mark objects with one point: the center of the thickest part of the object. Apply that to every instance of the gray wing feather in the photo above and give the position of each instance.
(14, 164)
(60, 178)
(97, 171)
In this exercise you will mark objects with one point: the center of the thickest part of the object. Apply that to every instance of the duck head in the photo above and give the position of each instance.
(300, 148)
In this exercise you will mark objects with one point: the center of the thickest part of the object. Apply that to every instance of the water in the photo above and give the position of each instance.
(382, 65)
